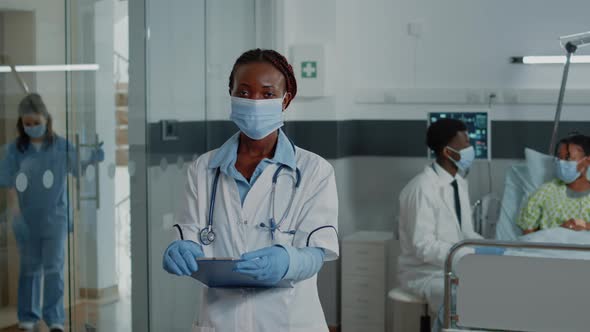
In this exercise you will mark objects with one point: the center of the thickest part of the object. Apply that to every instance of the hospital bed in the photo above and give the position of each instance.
(517, 292)
(539, 286)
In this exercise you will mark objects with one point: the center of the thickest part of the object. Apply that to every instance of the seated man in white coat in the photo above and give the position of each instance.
(435, 212)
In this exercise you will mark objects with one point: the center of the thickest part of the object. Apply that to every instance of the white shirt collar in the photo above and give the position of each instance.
(443, 175)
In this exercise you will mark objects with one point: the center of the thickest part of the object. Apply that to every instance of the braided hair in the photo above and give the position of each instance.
(269, 56)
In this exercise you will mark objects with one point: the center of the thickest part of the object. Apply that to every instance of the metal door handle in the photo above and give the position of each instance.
(96, 196)
(78, 171)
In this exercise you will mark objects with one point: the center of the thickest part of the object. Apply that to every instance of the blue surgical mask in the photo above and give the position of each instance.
(467, 158)
(566, 171)
(257, 118)
(36, 131)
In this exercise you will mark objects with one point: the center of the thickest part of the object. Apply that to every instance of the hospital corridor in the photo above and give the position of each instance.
(294, 165)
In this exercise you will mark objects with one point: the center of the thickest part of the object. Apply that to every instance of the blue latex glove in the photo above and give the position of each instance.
(267, 264)
(489, 251)
(180, 258)
(98, 154)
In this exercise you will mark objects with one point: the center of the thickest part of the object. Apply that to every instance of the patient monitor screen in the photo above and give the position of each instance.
(477, 127)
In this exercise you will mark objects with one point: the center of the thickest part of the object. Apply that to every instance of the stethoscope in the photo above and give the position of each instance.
(207, 235)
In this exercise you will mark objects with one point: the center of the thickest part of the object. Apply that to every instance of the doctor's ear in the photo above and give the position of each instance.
(450, 154)
(287, 100)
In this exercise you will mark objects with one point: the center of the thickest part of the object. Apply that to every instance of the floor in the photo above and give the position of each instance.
(89, 317)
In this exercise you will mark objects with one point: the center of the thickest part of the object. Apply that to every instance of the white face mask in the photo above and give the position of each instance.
(257, 118)
(467, 158)
(567, 171)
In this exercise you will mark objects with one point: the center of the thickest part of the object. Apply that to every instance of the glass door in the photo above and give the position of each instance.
(64, 212)
(99, 258)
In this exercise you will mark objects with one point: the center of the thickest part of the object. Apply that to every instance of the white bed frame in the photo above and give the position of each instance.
(517, 292)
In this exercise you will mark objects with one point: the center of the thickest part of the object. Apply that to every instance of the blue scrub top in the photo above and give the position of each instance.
(43, 201)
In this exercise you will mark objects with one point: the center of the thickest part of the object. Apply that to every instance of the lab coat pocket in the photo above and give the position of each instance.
(197, 328)
(282, 238)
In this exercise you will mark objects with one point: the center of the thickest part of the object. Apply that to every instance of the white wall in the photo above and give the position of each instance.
(226, 40)
(176, 60)
(465, 45)
(121, 39)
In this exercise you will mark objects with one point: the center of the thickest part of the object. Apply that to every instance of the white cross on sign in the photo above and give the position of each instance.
(309, 69)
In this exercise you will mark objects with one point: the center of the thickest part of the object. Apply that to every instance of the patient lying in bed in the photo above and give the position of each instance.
(565, 201)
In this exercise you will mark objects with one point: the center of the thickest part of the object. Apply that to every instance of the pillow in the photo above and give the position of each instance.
(540, 167)
(516, 188)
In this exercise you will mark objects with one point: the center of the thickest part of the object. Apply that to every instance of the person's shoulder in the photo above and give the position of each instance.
(9, 151)
(308, 161)
(422, 183)
(60, 142)
(60, 139)
(551, 186)
(547, 190)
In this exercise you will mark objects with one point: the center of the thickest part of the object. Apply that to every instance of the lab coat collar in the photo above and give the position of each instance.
(443, 176)
(227, 154)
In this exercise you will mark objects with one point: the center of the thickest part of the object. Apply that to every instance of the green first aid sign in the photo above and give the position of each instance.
(309, 69)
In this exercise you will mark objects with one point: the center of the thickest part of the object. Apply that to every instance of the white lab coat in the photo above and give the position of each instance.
(428, 228)
(314, 216)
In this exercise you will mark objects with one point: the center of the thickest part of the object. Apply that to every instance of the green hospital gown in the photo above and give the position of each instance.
(550, 206)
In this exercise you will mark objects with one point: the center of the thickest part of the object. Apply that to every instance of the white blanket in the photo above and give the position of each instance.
(555, 235)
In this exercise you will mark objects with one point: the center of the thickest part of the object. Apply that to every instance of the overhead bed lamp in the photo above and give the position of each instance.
(548, 59)
(570, 43)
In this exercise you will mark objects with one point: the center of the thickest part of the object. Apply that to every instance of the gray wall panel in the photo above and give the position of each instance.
(341, 139)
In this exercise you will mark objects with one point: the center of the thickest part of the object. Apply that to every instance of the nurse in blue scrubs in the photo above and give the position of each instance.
(35, 169)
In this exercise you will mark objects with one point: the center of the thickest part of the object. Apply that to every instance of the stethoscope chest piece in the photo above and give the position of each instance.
(207, 236)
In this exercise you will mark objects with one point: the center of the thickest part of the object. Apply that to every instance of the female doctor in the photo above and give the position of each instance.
(261, 198)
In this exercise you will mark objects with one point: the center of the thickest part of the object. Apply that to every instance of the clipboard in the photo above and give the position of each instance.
(219, 273)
